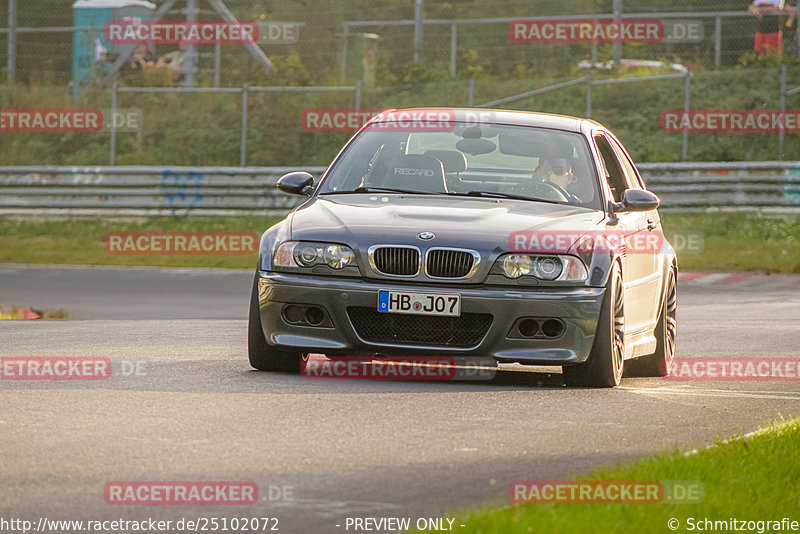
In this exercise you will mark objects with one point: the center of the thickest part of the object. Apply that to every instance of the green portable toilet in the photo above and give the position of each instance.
(87, 45)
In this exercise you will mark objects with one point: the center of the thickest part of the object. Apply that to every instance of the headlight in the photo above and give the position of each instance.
(544, 267)
(516, 265)
(305, 254)
(547, 267)
(337, 256)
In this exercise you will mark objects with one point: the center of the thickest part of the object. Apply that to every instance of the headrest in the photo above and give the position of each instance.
(417, 172)
(453, 160)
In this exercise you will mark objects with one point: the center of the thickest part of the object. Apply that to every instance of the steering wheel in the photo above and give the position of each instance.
(551, 191)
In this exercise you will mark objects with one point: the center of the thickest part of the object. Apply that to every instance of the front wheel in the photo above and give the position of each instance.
(604, 366)
(262, 356)
(661, 361)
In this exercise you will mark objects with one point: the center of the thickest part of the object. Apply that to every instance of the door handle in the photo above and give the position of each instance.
(650, 224)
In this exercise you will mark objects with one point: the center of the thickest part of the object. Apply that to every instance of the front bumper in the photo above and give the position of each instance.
(577, 308)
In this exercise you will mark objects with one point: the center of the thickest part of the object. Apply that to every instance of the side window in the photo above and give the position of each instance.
(630, 171)
(611, 165)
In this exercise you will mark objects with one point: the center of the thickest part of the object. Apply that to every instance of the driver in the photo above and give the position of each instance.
(554, 170)
(555, 165)
(558, 171)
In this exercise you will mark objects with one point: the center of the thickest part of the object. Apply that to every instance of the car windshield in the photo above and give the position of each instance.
(493, 160)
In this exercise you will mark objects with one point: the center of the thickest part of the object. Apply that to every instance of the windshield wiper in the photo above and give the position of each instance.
(379, 190)
(494, 194)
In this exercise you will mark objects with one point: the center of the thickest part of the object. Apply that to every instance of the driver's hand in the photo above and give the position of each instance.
(538, 188)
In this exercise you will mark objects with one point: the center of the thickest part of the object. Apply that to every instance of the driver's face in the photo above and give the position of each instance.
(558, 166)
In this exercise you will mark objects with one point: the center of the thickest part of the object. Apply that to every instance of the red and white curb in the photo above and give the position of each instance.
(694, 278)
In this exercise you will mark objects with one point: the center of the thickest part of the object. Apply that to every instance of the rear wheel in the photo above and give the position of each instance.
(604, 366)
(262, 356)
(661, 361)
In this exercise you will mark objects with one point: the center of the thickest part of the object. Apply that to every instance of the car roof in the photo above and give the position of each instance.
(510, 117)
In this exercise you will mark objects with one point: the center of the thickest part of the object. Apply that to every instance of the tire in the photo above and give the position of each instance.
(661, 361)
(604, 366)
(262, 356)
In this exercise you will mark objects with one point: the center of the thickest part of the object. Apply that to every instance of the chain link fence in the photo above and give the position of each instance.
(457, 38)
(466, 55)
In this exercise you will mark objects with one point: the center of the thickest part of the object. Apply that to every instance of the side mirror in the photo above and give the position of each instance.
(296, 183)
(638, 200)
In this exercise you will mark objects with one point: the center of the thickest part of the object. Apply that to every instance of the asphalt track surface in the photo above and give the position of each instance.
(196, 411)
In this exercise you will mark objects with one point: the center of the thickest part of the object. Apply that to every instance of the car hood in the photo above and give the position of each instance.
(483, 224)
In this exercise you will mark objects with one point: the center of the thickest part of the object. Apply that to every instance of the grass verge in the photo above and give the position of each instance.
(731, 241)
(752, 478)
(79, 241)
(738, 241)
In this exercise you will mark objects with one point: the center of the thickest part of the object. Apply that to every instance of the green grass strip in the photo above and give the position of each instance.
(730, 241)
(752, 478)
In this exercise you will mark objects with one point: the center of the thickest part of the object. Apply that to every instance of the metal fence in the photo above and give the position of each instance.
(226, 191)
(590, 83)
(465, 58)
(244, 91)
(38, 36)
(582, 103)
(710, 38)
(262, 125)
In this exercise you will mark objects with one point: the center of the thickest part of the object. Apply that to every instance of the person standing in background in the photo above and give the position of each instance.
(175, 61)
(769, 14)
(140, 57)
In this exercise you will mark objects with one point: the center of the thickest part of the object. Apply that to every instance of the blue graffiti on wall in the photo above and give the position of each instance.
(182, 191)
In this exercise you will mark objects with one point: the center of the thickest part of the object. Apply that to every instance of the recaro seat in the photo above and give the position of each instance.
(417, 172)
(454, 162)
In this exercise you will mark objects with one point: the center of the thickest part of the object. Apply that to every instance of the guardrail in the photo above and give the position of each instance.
(145, 190)
(153, 190)
(738, 186)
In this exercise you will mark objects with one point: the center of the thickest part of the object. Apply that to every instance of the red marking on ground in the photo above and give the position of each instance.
(687, 277)
(736, 277)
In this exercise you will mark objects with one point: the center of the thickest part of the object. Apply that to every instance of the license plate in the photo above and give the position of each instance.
(419, 303)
